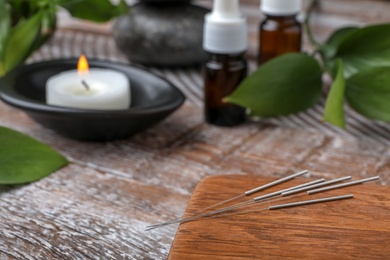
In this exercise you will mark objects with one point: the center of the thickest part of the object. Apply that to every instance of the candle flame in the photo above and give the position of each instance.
(82, 65)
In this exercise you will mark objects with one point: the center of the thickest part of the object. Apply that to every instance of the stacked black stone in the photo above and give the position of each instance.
(165, 33)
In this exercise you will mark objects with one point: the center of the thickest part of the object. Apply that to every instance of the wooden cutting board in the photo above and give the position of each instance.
(357, 228)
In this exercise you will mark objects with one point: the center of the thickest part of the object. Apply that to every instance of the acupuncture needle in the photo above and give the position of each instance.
(295, 189)
(260, 188)
(233, 207)
(286, 193)
(246, 193)
(254, 200)
(215, 213)
(307, 202)
(292, 204)
(274, 199)
(342, 185)
(308, 185)
(287, 178)
(263, 187)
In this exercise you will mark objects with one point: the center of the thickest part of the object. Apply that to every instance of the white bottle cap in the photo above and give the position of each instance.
(225, 29)
(281, 7)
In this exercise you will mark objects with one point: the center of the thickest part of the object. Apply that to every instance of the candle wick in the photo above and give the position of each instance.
(85, 85)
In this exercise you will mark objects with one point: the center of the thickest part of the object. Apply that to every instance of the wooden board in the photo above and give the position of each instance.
(357, 228)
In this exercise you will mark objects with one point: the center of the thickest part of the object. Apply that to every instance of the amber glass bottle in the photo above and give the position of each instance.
(223, 73)
(225, 40)
(280, 32)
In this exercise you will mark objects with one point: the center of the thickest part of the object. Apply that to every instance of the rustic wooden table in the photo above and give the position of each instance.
(99, 205)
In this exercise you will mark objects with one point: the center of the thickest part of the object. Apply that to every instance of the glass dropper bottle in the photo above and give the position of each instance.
(225, 41)
(280, 32)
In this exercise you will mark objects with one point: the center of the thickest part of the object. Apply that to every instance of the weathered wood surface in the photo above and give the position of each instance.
(99, 206)
(357, 228)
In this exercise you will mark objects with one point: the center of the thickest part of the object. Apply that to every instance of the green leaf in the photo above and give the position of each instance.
(20, 41)
(334, 111)
(48, 26)
(22, 8)
(368, 92)
(23, 159)
(5, 26)
(287, 84)
(330, 47)
(365, 48)
(95, 10)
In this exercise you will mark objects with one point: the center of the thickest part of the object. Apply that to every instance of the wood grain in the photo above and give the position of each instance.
(357, 228)
(99, 205)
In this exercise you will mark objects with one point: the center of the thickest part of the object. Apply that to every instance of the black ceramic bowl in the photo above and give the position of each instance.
(152, 99)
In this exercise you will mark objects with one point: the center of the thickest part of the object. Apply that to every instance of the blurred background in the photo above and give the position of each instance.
(330, 14)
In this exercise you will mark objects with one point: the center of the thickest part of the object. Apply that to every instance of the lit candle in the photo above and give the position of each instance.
(95, 88)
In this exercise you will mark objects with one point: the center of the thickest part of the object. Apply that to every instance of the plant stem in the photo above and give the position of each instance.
(306, 24)
(316, 45)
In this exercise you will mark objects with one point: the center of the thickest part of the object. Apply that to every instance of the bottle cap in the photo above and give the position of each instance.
(225, 29)
(281, 7)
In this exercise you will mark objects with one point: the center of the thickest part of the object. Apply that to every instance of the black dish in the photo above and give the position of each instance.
(152, 99)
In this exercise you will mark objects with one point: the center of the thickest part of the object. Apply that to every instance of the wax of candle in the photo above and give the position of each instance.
(102, 90)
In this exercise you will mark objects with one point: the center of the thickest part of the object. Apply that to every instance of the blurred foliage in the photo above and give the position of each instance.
(38, 160)
(26, 24)
(358, 59)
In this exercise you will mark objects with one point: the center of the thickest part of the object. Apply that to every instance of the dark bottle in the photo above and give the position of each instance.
(280, 32)
(225, 40)
(223, 73)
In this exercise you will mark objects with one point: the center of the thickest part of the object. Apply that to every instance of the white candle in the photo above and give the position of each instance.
(107, 90)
